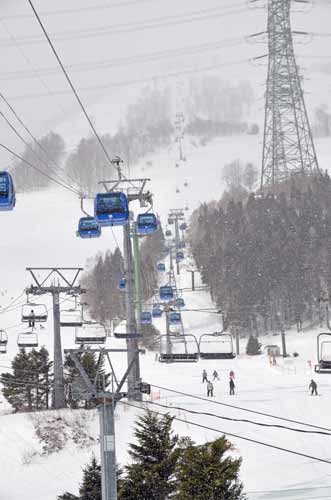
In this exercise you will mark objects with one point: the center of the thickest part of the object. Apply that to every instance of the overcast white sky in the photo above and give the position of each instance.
(23, 49)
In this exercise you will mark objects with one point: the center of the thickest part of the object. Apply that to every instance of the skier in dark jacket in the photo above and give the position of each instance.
(204, 376)
(313, 387)
(215, 376)
(210, 389)
(232, 386)
(32, 319)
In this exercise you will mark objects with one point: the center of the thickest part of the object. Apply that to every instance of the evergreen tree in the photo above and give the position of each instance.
(253, 346)
(151, 476)
(90, 488)
(204, 472)
(29, 385)
(68, 496)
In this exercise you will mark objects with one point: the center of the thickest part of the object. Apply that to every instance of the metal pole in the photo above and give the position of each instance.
(107, 448)
(193, 281)
(137, 262)
(58, 400)
(168, 332)
(131, 325)
(283, 341)
(237, 342)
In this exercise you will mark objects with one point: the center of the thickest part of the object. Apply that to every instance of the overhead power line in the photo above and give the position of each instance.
(128, 61)
(98, 7)
(225, 433)
(71, 84)
(213, 401)
(138, 81)
(116, 29)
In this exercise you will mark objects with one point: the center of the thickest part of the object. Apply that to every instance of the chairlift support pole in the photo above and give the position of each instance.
(47, 286)
(106, 402)
(137, 269)
(135, 189)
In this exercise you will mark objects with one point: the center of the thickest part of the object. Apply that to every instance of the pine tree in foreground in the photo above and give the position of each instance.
(90, 488)
(67, 496)
(207, 472)
(155, 454)
(253, 347)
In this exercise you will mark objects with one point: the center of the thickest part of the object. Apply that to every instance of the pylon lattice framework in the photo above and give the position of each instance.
(288, 146)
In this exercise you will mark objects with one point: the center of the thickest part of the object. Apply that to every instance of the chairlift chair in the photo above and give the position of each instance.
(179, 256)
(34, 313)
(168, 233)
(88, 228)
(120, 332)
(92, 333)
(71, 318)
(7, 192)
(111, 209)
(3, 341)
(216, 346)
(28, 339)
(323, 353)
(146, 224)
(178, 348)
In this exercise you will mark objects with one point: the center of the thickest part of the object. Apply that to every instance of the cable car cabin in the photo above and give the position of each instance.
(178, 348)
(179, 256)
(122, 284)
(7, 192)
(323, 353)
(27, 340)
(175, 318)
(120, 332)
(161, 267)
(88, 228)
(181, 244)
(168, 233)
(166, 292)
(111, 209)
(147, 224)
(179, 302)
(183, 226)
(3, 341)
(34, 313)
(90, 334)
(157, 312)
(71, 318)
(146, 318)
(216, 346)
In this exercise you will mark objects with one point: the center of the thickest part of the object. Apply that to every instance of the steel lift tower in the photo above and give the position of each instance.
(288, 146)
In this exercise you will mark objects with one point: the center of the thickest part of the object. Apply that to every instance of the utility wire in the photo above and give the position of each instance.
(230, 419)
(254, 441)
(28, 146)
(70, 83)
(19, 157)
(104, 6)
(147, 24)
(127, 61)
(243, 409)
(28, 131)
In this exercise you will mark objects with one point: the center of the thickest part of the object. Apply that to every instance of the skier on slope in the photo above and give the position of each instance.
(231, 374)
(215, 376)
(204, 376)
(232, 386)
(210, 389)
(313, 387)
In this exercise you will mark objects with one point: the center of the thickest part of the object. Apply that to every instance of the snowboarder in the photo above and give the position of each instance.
(232, 386)
(215, 376)
(204, 376)
(313, 387)
(210, 389)
(32, 319)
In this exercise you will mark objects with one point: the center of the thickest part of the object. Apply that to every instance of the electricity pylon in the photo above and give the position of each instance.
(288, 146)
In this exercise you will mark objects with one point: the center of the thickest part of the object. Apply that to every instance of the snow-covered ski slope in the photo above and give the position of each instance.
(41, 232)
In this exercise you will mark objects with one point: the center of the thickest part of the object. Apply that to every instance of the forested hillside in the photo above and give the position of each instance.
(267, 258)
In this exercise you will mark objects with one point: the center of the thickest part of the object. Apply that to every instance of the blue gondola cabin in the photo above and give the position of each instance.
(88, 228)
(147, 224)
(166, 292)
(7, 192)
(111, 209)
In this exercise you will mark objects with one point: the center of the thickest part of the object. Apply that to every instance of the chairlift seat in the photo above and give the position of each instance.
(71, 318)
(91, 334)
(40, 313)
(27, 340)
